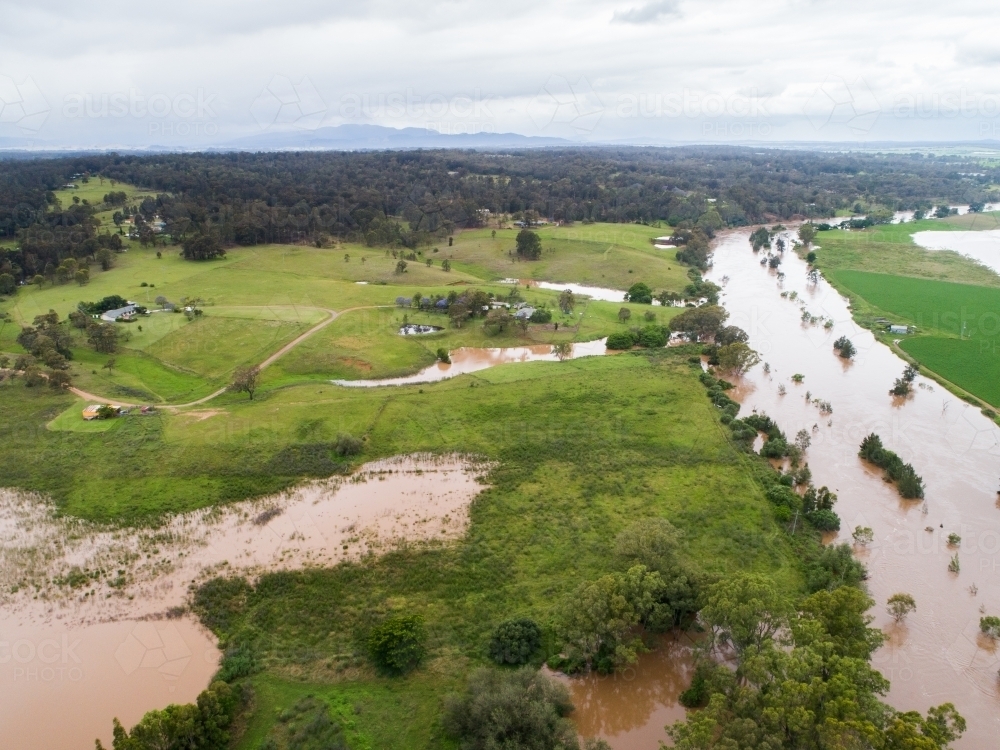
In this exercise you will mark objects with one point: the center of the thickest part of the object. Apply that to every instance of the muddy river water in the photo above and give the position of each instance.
(937, 655)
(473, 359)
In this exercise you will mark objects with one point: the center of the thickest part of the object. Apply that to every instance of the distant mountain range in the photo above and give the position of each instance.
(377, 137)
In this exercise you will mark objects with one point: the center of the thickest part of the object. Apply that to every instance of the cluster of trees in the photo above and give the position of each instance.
(803, 678)
(908, 482)
(203, 725)
(248, 199)
(48, 341)
(694, 246)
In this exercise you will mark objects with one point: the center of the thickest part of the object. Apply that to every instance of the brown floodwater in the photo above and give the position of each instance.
(632, 709)
(937, 655)
(60, 686)
(474, 359)
(74, 657)
(982, 246)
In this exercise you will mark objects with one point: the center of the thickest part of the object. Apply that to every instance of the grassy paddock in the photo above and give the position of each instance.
(889, 249)
(582, 448)
(614, 256)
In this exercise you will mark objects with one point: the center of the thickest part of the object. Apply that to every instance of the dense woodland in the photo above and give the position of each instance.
(406, 198)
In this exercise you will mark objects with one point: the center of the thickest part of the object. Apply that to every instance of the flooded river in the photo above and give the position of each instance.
(937, 655)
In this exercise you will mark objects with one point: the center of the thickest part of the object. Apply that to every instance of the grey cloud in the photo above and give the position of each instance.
(646, 13)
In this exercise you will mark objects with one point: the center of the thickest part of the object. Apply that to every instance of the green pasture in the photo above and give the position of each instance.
(614, 256)
(583, 448)
(257, 299)
(376, 714)
(889, 249)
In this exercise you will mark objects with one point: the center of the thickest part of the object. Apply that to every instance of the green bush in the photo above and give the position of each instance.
(652, 337)
(514, 641)
(521, 710)
(347, 445)
(824, 519)
(397, 644)
(541, 315)
(306, 726)
(620, 340)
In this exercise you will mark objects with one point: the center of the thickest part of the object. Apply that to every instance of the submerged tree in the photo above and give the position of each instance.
(844, 347)
(900, 605)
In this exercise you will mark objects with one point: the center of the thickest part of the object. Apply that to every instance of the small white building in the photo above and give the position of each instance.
(899, 329)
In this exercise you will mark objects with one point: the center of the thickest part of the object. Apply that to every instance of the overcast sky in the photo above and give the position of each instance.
(189, 74)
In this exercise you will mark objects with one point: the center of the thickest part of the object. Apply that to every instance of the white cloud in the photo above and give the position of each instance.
(651, 11)
(726, 70)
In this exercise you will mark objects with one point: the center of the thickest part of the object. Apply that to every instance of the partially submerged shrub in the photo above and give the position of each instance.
(990, 626)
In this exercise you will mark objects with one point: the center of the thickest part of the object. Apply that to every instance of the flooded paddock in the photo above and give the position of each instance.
(88, 625)
(474, 359)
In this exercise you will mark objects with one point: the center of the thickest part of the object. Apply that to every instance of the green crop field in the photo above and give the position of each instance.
(953, 301)
(973, 364)
(889, 249)
(933, 306)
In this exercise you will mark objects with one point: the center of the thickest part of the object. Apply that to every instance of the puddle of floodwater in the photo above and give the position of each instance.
(81, 654)
(414, 329)
(603, 294)
(937, 657)
(631, 709)
(983, 247)
(146, 572)
(473, 359)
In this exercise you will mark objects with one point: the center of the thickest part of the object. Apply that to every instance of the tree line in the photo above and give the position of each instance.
(409, 198)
